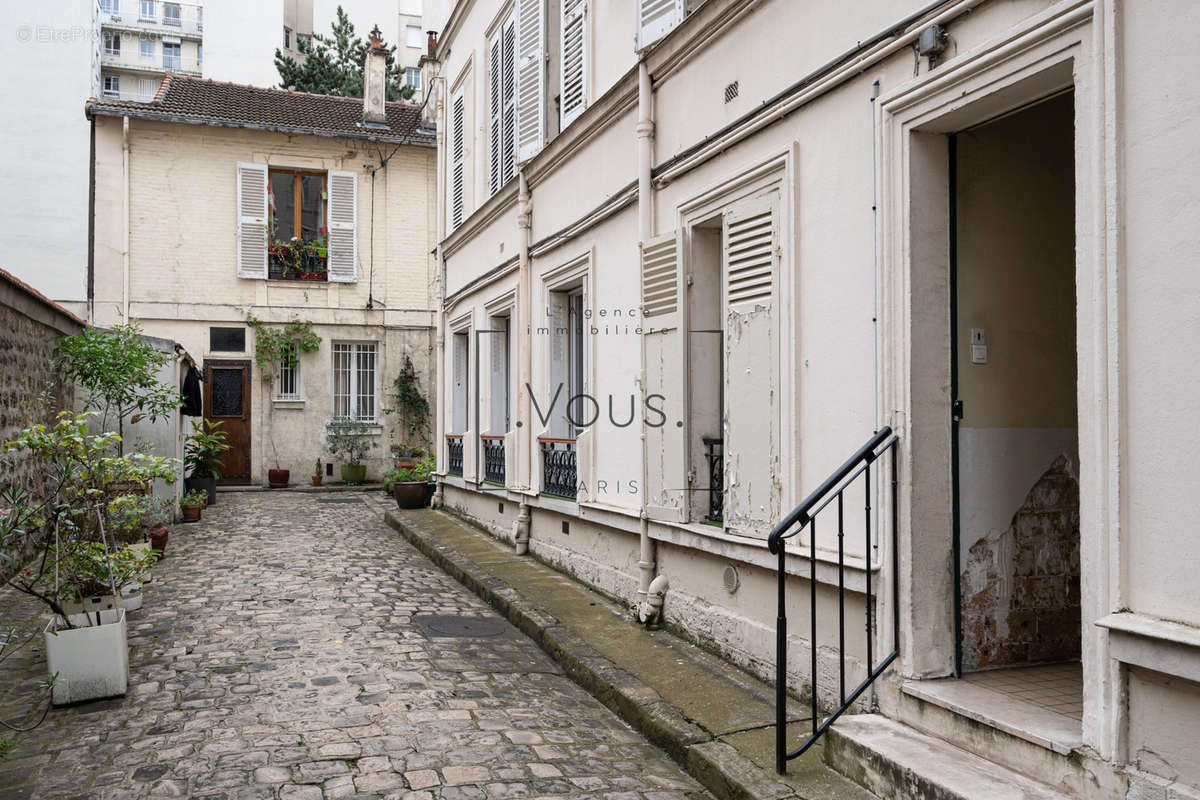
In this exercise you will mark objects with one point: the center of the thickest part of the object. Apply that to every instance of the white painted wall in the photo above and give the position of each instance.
(45, 165)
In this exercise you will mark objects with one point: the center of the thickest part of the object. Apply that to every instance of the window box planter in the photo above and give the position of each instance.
(312, 276)
(91, 662)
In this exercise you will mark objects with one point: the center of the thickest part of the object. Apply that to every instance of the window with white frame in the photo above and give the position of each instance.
(112, 85)
(172, 56)
(146, 88)
(147, 10)
(412, 78)
(112, 44)
(171, 14)
(412, 36)
(287, 385)
(146, 48)
(566, 331)
(460, 391)
(354, 380)
(111, 6)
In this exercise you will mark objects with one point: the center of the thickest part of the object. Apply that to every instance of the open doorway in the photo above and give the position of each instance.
(1014, 393)
(705, 375)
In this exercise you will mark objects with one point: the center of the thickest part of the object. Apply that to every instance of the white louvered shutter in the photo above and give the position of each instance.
(663, 351)
(750, 245)
(574, 60)
(252, 220)
(495, 111)
(531, 77)
(508, 95)
(343, 226)
(457, 145)
(656, 18)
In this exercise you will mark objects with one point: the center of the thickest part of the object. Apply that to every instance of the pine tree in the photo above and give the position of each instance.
(334, 65)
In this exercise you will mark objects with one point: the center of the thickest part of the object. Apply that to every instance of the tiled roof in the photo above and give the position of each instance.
(207, 102)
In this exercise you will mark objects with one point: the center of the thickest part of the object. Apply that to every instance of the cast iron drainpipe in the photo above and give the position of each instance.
(647, 557)
(524, 440)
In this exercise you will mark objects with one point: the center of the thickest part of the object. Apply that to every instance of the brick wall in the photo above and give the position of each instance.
(1020, 587)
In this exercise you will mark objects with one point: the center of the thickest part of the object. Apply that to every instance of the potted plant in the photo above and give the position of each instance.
(318, 475)
(202, 457)
(408, 484)
(158, 512)
(192, 505)
(348, 440)
(405, 456)
(57, 528)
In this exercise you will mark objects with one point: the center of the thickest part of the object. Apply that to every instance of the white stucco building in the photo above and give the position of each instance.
(682, 280)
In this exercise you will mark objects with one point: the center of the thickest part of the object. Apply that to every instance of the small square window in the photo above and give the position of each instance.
(412, 77)
(112, 86)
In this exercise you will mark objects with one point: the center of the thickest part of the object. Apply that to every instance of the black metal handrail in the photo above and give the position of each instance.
(714, 454)
(454, 454)
(831, 491)
(493, 459)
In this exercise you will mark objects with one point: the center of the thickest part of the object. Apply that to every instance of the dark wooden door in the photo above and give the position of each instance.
(227, 400)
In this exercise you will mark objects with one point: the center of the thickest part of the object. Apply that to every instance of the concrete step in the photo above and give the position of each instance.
(893, 760)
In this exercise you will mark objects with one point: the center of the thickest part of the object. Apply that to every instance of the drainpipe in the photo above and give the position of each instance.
(525, 357)
(439, 293)
(645, 137)
(125, 218)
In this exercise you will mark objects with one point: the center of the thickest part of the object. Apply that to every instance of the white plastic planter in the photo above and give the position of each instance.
(91, 662)
(131, 596)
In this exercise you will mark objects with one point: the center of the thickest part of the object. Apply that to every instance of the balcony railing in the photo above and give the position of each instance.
(493, 459)
(454, 454)
(714, 454)
(559, 474)
(283, 267)
(177, 19)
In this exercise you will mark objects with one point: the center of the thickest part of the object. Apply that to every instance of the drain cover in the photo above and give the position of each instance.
(340, 500)
(459, 627)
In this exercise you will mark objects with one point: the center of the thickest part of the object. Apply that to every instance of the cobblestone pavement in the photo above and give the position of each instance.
(279, 655)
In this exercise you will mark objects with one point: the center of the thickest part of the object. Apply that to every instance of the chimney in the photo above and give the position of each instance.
(374, 79)
(431, 44)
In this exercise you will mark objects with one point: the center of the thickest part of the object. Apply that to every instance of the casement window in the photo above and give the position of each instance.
(171, 14)
(657, 18)
(172, 57)
(499, 342)
(502, 78)
(574, 49)
(461, 375)
(287, 38)
(413, 37)
(146, 10)
(412, 78)
(300, 201)
(287, 384)
(531, 77)
(110, 6)
(146, 48)
(112, 85)
(566, 329)
(112, 44)
(457, 160)
(354, 376)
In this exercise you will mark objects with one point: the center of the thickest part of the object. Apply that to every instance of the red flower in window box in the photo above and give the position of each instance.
(312, 276)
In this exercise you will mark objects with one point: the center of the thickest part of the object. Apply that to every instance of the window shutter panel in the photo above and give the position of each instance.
(663, 351)
(494, 112)
(656, 18)
(456, 161)
(531, 77)
(343, 226)
(574, 59)
(252, 220)
(750, 244)
(508, 94)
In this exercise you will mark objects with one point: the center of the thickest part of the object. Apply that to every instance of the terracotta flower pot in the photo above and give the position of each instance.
(278, 478)
(159, 534)
(409, 494)
(316, 479)
(191, 513)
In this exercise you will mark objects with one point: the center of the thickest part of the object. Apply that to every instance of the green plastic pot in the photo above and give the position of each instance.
(354, 473)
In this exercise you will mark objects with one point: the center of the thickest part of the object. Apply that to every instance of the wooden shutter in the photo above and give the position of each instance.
(531, 77)
(343, 226)
(574, 59)
(457, 145)
(508, 95)
(252, 220)
(495, 111)
(656, 18)
(663, 351)
(750, 253)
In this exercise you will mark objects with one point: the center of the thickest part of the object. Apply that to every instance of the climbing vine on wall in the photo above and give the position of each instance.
(274, 346)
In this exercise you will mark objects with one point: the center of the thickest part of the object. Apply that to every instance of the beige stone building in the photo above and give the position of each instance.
(683, 280)
(188, 192)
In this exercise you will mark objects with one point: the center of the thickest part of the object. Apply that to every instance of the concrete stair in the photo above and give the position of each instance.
(893, 760)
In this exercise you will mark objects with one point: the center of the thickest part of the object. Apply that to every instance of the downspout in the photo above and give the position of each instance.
(91, 254)
(525, 368)
(439, 298)
(645, 136)
(125, 219)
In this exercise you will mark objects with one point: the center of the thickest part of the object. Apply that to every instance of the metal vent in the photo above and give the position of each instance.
(731, 91)
(731, 579)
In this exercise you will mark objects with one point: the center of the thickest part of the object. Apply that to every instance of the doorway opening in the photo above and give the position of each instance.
(1015, 445)
(705, 374)
(227, 401)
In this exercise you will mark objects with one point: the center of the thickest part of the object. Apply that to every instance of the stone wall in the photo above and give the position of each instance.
(30, 328)
(1020, 586)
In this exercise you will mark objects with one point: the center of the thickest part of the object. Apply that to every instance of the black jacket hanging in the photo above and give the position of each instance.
(193, 401)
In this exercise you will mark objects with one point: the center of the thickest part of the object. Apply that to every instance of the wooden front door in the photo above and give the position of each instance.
(227, 400)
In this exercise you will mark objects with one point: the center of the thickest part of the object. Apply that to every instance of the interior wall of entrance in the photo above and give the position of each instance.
(1018, 488)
